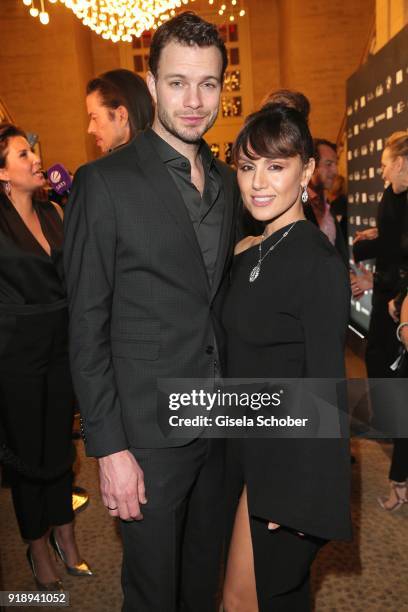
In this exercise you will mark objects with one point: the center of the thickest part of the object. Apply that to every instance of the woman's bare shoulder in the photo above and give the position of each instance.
(246, 243)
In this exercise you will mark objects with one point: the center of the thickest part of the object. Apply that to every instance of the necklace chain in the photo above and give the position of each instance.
(256, 270)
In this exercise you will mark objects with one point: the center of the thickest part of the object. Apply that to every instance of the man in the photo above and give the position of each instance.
(118, 105)
(149, 238)
(317, 209)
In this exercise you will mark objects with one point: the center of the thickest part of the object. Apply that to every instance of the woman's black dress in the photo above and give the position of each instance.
(36, 396)
(290, 323)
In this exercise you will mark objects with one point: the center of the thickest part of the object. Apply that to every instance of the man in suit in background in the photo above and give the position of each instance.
(119, 105)
(149, 239)
(317, 208)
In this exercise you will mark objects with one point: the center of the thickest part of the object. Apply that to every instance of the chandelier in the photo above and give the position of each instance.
(120, 20)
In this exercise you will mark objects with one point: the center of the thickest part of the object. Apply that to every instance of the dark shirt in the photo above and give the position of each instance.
(205, 211)
(28, 275)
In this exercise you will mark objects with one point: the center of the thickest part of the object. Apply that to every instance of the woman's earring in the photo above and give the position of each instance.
(7, 188)
(305, 195)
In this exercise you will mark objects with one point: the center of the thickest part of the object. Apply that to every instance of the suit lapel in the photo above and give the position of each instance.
(227, 227)
(167, 195)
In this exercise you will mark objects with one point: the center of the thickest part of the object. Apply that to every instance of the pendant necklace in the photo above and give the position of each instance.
(256, 270)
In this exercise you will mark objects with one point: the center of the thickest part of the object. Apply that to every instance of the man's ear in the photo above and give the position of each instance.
(123, 114)
(151, 84)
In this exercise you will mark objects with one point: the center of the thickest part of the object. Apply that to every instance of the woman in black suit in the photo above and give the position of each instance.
(36, 397)
(285, 316)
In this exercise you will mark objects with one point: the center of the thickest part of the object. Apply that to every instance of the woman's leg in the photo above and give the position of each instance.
(399, 462)
(58, 441)
(240, 588)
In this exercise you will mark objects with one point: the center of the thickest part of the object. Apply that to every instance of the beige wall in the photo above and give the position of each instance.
(319, 45)
(43, 70)
(300, 44)
(391, 17)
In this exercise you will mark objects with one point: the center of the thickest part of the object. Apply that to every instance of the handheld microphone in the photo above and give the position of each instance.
(59, 179)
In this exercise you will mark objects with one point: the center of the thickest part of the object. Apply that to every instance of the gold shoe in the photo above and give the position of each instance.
(80, 499)
(79, 569)
(43, 586)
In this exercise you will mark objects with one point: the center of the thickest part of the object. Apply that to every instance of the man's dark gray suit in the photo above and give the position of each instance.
(142, 308)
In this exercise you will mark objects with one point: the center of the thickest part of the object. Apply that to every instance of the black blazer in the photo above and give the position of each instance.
(141, 307)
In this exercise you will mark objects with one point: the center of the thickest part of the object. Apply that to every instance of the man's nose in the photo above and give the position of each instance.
(193, 97)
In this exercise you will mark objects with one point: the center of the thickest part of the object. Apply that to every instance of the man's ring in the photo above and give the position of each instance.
(115, 508)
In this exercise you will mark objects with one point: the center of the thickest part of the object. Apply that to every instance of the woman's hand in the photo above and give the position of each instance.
(273, 526)
(368, 234)
(404, 336)
(360, 283)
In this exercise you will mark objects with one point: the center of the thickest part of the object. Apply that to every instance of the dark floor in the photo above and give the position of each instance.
(371, 573)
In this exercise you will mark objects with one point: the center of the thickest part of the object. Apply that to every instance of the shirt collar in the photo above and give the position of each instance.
(167, 153)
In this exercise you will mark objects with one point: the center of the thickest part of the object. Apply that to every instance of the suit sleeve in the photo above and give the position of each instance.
(89, 260)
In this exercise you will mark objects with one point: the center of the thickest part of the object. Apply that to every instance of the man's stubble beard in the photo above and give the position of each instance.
(185, 136)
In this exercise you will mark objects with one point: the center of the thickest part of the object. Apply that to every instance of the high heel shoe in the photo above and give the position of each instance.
(80, 569)
(43, 586)
(400, 490)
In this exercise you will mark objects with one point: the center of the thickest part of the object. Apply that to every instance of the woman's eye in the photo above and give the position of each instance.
(275, 167)
(245, 167)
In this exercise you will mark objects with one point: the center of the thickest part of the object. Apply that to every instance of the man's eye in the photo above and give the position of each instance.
(209, 85)
(176, 84)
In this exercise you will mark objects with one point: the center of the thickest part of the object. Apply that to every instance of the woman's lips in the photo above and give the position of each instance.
(262, 200)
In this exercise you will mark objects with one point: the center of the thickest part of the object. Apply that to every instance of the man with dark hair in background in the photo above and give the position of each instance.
(317, 209)
(149, 240)
(119, 105)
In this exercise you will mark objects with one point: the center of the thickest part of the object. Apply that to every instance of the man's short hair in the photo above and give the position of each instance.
(122, 87)
(322, 141)
(186, 29)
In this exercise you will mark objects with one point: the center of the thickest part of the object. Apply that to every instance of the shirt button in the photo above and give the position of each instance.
(184, 164)
(209, 350)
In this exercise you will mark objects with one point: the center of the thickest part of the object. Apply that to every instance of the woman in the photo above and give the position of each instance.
(388, 244)
(395, 170)
(285, 317)
(36, 396)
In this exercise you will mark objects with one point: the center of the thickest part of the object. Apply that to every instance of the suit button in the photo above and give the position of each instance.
(209, 350)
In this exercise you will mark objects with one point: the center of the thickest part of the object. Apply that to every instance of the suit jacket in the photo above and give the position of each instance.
(141, 307)
(340, 243)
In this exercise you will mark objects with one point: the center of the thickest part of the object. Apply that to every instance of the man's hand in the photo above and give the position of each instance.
(392, 311)
(361, 282)
(122, 485)
(368, 234)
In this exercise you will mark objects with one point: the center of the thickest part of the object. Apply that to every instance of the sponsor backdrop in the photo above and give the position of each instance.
(377, 106)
